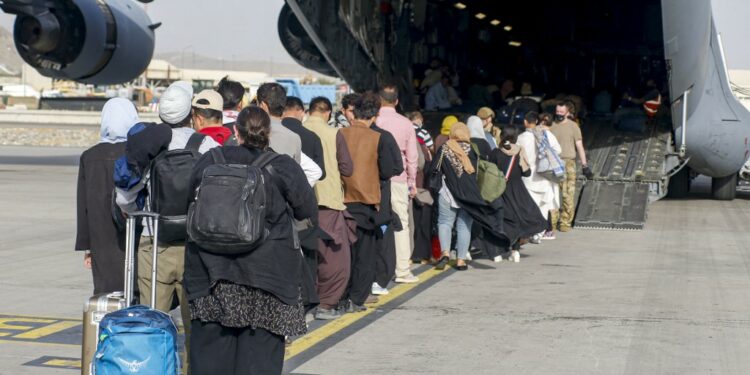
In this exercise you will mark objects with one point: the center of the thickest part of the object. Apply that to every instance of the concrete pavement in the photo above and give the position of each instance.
(668, 300)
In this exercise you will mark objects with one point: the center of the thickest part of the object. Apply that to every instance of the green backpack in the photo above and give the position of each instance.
(490, 178)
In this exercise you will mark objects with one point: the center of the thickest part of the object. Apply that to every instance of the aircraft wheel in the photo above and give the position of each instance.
(724, 188)
(679, 184)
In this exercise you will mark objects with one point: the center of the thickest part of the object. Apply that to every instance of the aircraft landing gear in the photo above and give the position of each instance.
(724, 188)
(679, 184)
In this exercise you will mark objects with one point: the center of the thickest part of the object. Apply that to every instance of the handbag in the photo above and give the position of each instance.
(435, 179)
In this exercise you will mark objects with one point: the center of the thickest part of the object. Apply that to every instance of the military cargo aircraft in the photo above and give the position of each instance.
(575, 46)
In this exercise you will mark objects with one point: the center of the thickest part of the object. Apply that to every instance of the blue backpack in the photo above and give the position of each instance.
(137, 340)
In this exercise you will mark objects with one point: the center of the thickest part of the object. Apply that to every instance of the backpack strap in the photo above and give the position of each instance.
(510, 167)
(218, 156)
(194, 142)
(264, 159)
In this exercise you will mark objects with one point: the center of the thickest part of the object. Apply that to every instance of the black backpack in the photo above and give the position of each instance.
(228, 216)
(170, 188)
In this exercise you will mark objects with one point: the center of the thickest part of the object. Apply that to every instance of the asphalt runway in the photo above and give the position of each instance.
(672, 299)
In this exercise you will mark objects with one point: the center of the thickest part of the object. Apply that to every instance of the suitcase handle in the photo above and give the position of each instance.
(130, 226)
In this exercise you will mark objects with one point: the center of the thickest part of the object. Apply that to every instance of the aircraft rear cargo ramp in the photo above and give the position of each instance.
(629, 170)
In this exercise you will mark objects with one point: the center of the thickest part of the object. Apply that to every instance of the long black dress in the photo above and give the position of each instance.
(96, 230)
(522, 217)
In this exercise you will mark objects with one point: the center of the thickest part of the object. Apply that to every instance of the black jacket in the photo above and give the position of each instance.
(275, 266)
(465, 191)
(311, 145)
(96, 230)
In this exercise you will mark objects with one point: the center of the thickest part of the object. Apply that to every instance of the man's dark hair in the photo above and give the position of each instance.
(367, 106)
(568, 104)
(231, 91)
(389, 93)
(274, 95)
(208, 114)
(349, 100)
(532, 117)
(320, 104)
(254, 127)
(292, 103)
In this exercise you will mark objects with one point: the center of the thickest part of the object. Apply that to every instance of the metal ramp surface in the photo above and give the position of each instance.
(628, 172)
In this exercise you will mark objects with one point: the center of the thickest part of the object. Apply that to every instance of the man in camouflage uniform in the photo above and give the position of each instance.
(568, 133)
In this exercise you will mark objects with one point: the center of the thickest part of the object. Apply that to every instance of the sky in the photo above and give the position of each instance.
(246, 29)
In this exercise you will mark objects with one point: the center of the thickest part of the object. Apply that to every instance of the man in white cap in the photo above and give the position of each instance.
(175, 109)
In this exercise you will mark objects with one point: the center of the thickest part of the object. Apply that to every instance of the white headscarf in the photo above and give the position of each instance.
(118, 116)
(476, 130)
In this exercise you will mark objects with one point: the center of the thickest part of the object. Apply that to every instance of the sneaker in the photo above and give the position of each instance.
(498, 259)
(536, 239)
(515, 256)
(549, 235)
(327, 314)
(378, 290)
(408, 279)
(468, 255)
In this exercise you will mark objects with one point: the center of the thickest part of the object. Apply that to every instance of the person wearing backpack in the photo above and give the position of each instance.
(521, 218)
(168, 189)
(478, 138)
(543, 187)
(245, 294)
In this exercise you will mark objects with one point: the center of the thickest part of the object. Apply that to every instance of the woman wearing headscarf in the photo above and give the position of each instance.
(460, 203)
(97, 233)
(445, 131)
(522, 216)
(478, 137)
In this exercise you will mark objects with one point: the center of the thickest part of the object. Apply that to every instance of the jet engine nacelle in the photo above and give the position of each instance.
(90, 41)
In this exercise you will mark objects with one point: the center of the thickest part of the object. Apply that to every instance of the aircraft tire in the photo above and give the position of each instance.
(724, 188)
(679, 184)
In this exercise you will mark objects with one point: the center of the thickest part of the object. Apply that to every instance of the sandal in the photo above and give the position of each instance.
(440, 265)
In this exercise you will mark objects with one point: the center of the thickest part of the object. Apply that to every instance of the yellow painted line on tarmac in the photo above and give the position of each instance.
(306, 342)
(37, 343)
(8, 323)
(63, 363)
(47, 330)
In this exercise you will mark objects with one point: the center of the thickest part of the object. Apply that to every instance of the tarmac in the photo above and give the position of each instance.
(671, 299)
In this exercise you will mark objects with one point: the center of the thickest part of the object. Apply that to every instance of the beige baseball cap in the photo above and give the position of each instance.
(485, 112)
(209, 99)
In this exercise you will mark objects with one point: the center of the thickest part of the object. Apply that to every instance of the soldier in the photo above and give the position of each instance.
(568, 133)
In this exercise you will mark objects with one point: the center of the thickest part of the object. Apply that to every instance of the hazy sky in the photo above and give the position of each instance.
(247, 28)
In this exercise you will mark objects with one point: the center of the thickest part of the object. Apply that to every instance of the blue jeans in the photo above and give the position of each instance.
(446, 218)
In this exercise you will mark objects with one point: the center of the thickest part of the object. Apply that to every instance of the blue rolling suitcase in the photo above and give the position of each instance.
(137, 339)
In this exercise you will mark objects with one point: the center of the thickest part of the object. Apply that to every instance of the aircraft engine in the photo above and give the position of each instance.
(300, 46)
(90, 41)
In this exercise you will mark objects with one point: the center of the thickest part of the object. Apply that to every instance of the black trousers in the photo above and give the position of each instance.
(385, 265)
(364, 259)
(215, 349)
(422, 232)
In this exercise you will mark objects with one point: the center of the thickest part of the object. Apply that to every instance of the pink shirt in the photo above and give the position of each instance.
(403, 131)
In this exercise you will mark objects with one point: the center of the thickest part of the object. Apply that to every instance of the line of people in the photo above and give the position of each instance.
(351, 206)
